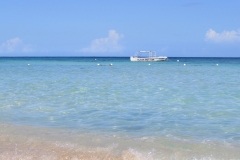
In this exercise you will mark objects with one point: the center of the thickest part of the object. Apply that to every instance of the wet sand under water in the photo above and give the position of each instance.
(24, 142)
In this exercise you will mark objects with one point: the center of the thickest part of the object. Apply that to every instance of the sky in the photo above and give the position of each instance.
(173, 28)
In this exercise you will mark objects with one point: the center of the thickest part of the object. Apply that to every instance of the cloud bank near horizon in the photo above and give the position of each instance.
(225, 36)
(108, 44)
(15, 45)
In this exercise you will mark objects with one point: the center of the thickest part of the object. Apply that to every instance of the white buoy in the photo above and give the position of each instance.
(216, 64)
(177, 60)
(95, 59)
(98, 64)
(184, 64)
(28, 64)
(149, 64)
(110, 64)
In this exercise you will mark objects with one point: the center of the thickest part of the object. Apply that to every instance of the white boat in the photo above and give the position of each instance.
(152, 56)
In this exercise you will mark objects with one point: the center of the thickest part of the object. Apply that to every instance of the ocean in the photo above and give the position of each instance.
(111, 108)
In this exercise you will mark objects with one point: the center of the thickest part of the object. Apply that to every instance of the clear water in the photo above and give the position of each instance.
(196, 102)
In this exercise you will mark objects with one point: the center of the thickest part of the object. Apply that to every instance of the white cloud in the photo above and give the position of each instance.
(15, 45)
(108, 44)
(225, 36)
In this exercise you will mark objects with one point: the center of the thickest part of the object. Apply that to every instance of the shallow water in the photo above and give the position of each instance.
(24, 142)
(165, 109)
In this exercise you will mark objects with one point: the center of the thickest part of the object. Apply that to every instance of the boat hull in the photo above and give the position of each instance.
(147, 59)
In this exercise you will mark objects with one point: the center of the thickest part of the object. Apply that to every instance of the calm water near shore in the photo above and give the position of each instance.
(58, 107)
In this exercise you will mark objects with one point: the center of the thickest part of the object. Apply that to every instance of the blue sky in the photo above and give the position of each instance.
(175, 28)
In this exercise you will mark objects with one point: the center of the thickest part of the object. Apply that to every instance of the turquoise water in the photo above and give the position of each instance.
(198, 101)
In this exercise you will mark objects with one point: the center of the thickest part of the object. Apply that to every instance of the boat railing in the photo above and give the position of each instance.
(150, 54)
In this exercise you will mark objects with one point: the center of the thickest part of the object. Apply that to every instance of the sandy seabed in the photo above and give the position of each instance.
(28, 143)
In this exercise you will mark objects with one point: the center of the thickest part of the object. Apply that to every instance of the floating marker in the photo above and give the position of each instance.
(149, 64)
(95, 59)
(177, 60)
(216, 64)
(98, 64)
(184, 64)
(110, 64)
(28, 64)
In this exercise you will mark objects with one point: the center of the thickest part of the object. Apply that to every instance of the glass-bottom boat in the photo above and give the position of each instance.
(152, 56)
